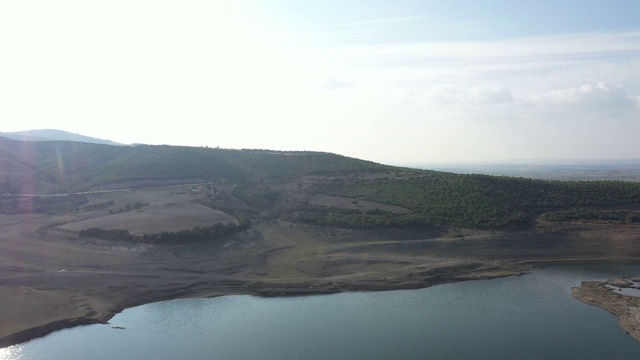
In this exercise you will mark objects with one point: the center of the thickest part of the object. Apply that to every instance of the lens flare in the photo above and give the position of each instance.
(60, 165)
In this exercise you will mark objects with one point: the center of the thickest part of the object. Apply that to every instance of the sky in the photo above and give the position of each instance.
(397, 81)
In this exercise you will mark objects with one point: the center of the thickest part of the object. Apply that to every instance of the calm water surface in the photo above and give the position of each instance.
(528, 317)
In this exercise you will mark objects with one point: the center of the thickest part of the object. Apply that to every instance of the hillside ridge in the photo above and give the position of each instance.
(54, 135)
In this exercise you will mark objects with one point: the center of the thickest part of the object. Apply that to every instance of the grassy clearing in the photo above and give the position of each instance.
(156, 219)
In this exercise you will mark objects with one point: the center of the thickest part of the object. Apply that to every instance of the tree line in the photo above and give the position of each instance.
(474, 201)
(196, 234)
(618, 216)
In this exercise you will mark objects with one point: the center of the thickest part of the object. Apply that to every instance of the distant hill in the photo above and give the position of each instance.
(60, 166)
(619, 169)
(283, 183)
(54, 135)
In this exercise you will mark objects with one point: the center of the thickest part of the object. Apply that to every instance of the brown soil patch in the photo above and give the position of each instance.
(155, 219)
(20, 303)
(166, 209)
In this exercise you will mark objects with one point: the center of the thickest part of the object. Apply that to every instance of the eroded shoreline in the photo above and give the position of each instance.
(255, 289)
(589, 291)
(50, 279)
(606, 295)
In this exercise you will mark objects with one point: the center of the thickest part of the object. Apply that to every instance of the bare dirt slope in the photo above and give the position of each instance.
(51, 279)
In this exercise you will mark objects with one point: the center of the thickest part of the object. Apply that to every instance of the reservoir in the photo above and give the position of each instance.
(526, 317)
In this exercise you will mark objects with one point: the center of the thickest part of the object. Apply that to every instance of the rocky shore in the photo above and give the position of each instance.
(618, 296)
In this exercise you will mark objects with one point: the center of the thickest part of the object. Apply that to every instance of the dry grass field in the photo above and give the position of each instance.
(155, 219)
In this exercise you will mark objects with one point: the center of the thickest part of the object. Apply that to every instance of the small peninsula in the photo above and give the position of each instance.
(621, 297)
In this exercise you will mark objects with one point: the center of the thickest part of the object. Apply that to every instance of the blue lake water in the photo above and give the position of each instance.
(527, 317)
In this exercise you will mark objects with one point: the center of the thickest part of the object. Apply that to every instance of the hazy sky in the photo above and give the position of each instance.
(399, 82)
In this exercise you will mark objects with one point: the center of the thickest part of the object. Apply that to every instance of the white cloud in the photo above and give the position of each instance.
(600, 95)
(520, 53)
(473, 96)
(333, 83)
(491, 95)
(445, 95)
(525, 66)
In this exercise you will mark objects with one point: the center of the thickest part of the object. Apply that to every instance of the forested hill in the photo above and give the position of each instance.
(277, 184)
(53, 135)
(475, 201)
(55, 166)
